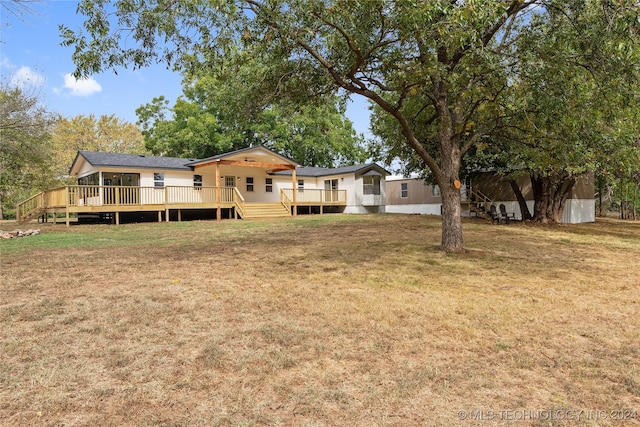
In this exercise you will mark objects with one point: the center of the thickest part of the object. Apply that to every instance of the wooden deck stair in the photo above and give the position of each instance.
(28, 216)
(265, 210)
(31, 208)
(478, 204)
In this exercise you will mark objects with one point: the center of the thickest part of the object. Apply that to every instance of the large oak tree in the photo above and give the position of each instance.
(443, 65)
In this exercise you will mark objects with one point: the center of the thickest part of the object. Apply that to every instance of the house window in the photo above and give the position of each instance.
(158, 179)
(404, 190)
(249, 184)
(229, 181)
(301, 184)
(93, 179)
(435, 191)
(197, 180)
(269, 185)
(371, 184)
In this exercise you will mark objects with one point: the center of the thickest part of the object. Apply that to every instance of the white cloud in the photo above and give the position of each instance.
(5, 63)
(82, 87)
(26, 77)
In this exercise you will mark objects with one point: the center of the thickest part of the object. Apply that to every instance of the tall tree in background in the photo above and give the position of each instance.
(210, 119)
(576, 84)
(107, 134)
(439, 68)
(25, 146)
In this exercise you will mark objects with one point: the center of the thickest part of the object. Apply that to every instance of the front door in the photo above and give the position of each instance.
(331, 190)
(230, 181)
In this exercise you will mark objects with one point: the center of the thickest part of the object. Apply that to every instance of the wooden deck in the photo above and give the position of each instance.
(93, 199)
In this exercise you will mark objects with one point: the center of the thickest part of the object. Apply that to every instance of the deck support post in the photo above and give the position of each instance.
(159, 216)
(66, 206)
(117, 218)
(179, 215)
(218, 184)
(294, 182)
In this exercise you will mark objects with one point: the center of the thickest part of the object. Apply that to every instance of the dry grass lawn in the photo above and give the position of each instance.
(324, 320)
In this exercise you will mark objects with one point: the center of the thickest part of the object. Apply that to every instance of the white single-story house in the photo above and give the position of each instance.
(414, 196)
(248, 183)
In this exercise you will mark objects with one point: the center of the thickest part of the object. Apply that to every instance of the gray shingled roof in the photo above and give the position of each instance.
(156, 162)
(135, 160)
(317, 172)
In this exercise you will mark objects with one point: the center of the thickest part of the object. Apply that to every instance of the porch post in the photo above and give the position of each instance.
(218, 190)
(294, 181)
(66, 207)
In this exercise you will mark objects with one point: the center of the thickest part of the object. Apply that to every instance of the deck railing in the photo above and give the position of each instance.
(239, 202)
(75, 198)
(56, 197)
(95, 195)
(78, 196)
(30, 206)
(317, 196)
(285, 199)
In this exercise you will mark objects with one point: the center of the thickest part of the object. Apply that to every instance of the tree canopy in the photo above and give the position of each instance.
(211, 120)
(108, 134)
(25, 146)
(441, 70)
(572, 86)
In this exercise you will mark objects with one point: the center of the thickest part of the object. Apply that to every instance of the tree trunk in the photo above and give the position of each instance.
(550, 196)
(540, 198)
(600, 190)
(626, 201)
(621, 200)
(452, 240)
(635, 199)
(448, 179)
(524, 209)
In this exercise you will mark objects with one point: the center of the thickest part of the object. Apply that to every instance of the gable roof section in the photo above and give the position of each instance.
(315, 172)
(139, 161)
(259, 150)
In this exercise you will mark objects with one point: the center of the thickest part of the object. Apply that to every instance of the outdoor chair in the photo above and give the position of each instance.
(495, 216)
(506, 215)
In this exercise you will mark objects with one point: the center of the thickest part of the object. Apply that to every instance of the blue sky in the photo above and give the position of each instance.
(31, 56)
